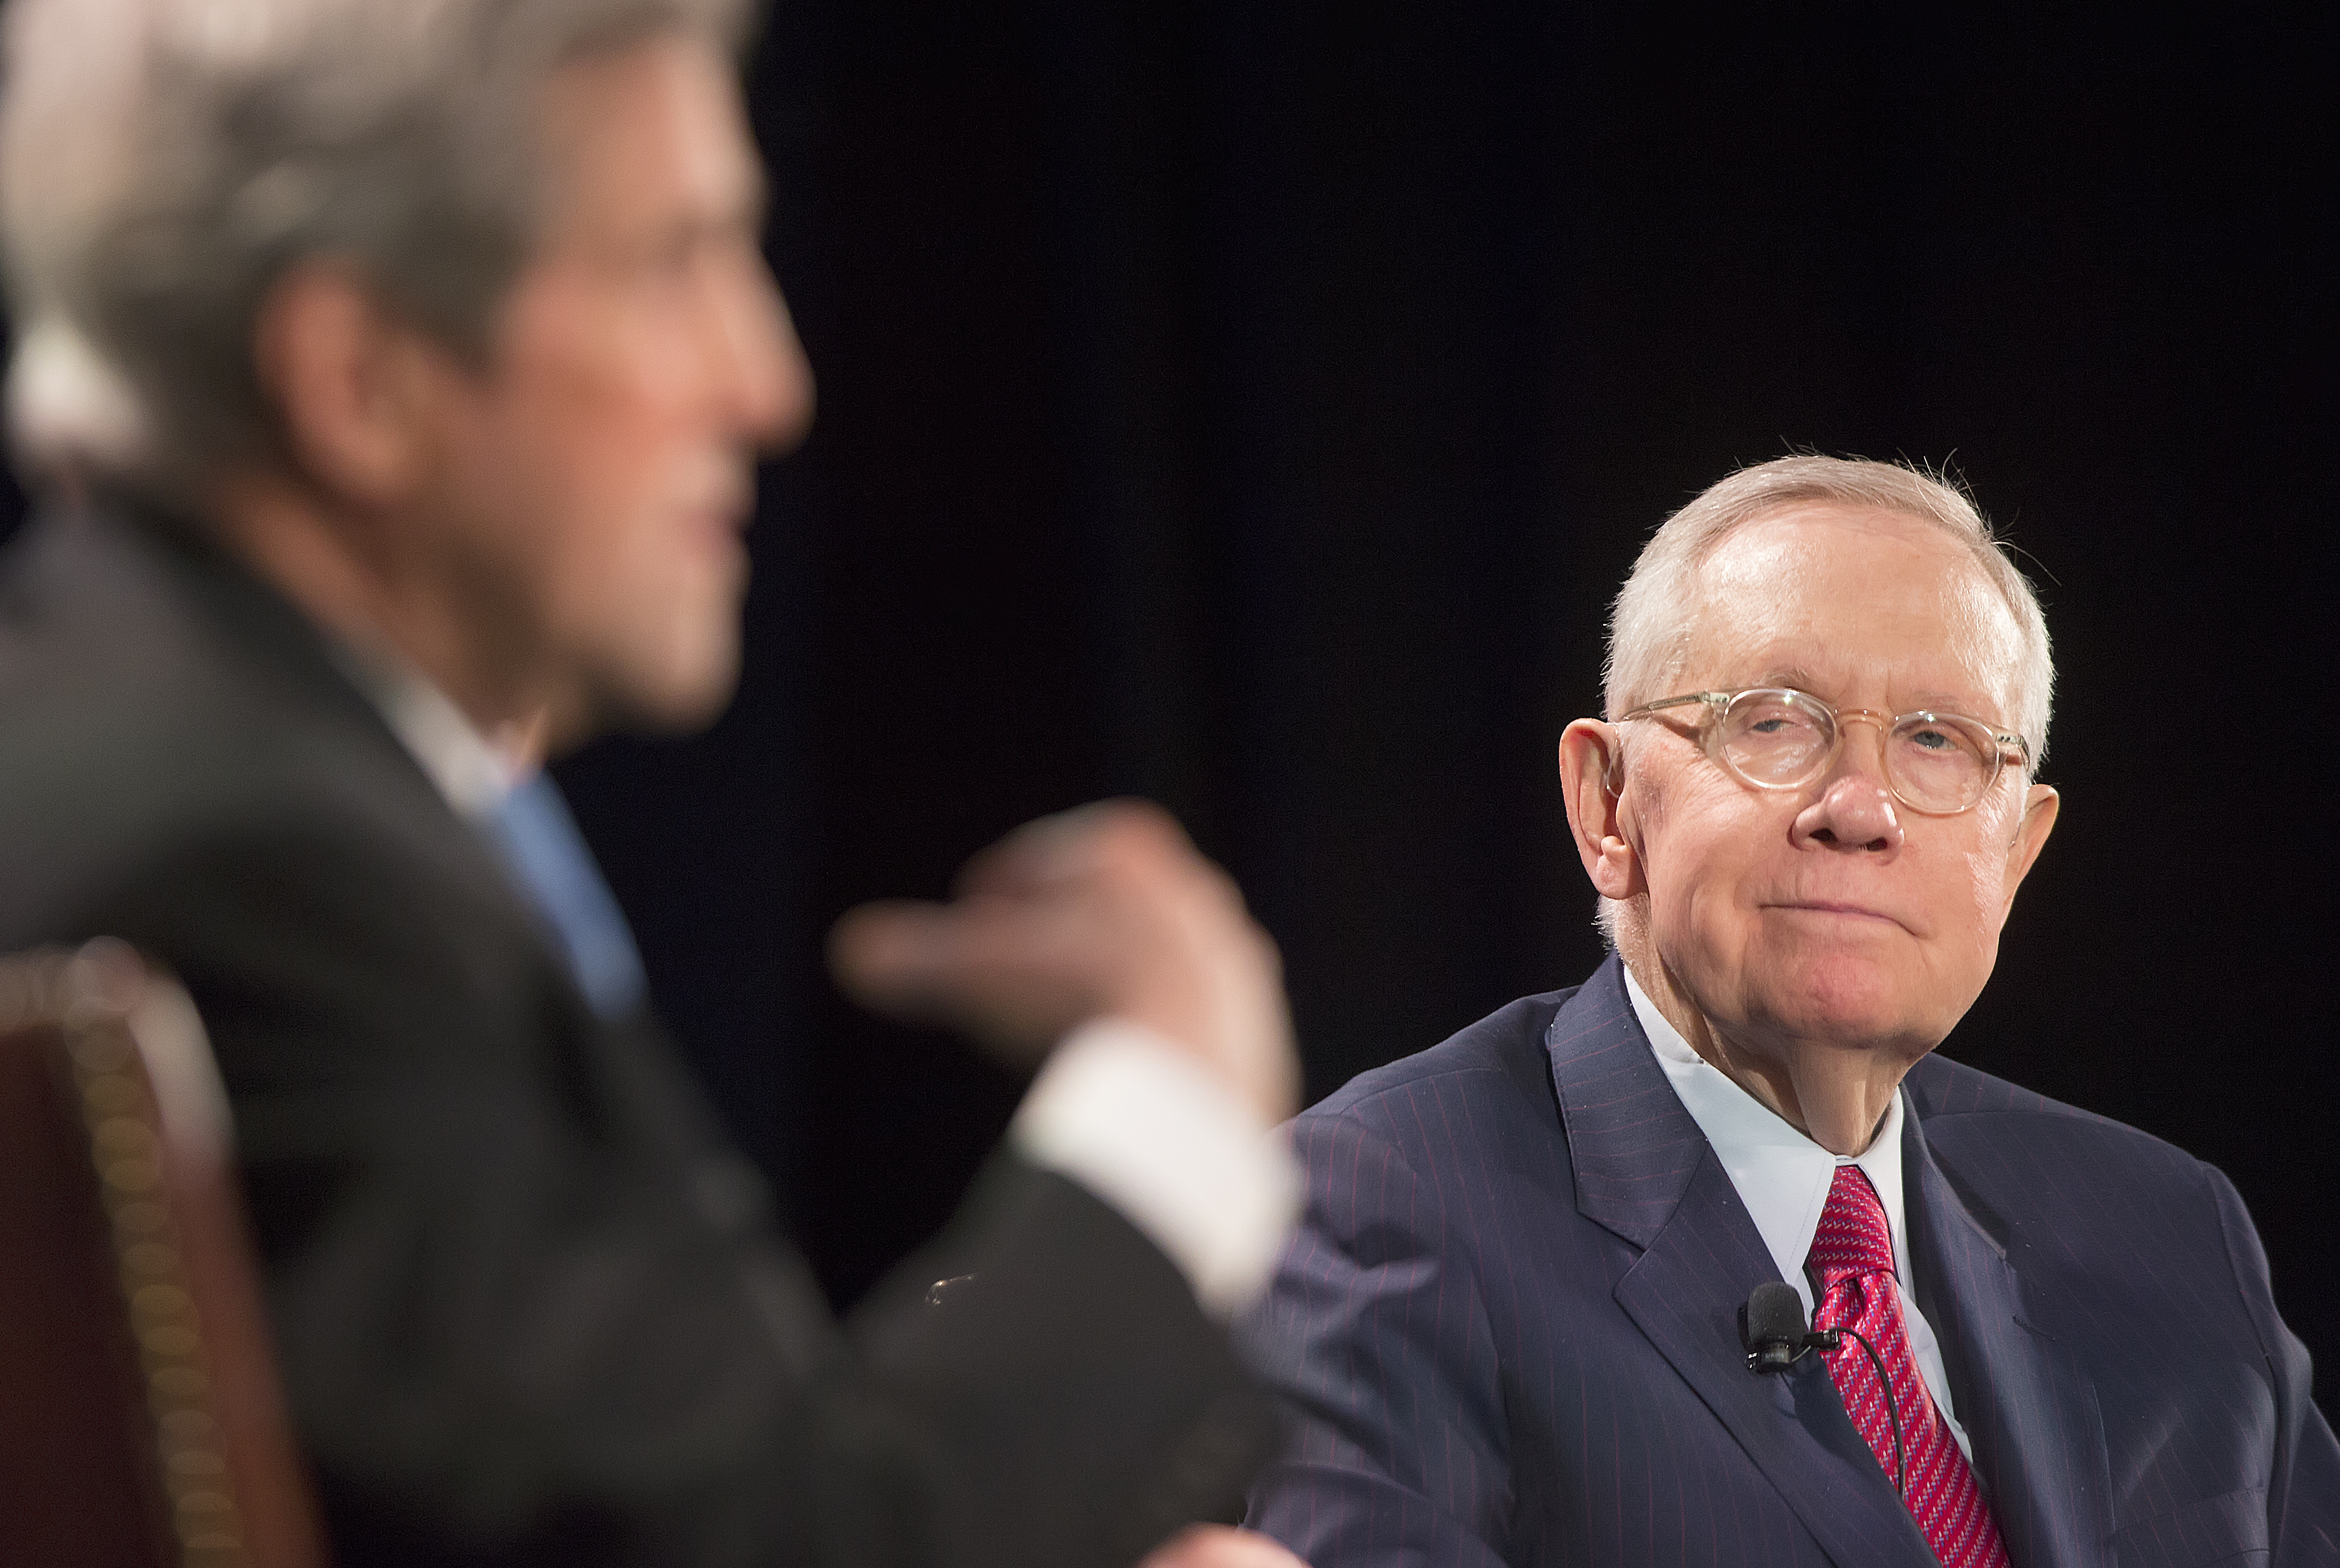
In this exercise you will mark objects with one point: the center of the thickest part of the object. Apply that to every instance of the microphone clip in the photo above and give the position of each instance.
(1779, 1355)
(1774, 1328)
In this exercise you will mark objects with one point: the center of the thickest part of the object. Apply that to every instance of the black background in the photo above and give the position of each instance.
(1254, 405)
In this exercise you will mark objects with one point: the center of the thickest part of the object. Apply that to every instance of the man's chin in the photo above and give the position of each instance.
(686, 708)
(1848, 999)
(676, 696)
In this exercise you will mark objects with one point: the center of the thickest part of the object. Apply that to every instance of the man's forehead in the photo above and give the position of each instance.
(1827, 599)
(646, 131)
(1805, 533)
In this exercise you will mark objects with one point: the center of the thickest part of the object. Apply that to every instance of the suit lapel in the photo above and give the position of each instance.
(1644, 1172)
(2031, 1414)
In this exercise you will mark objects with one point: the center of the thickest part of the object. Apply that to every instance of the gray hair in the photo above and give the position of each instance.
(1650, 627)
(163, 162)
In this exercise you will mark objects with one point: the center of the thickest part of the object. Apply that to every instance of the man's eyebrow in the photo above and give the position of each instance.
(1804, 681)
(1801, 680)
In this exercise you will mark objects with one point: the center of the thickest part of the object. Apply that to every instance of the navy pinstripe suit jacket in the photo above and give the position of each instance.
(1508, 1330)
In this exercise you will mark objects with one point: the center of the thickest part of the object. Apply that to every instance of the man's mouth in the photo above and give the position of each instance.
(1838, 909)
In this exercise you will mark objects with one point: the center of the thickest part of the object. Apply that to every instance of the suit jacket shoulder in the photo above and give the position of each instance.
(2136, 1269)
(153, 696)
(2070, 1192)
(1505, 1049)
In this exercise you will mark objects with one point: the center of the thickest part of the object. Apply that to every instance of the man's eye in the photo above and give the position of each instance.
(1776, 721)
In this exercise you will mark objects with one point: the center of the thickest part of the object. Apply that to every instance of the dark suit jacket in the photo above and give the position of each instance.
(528, 1306)
(1509, 1329)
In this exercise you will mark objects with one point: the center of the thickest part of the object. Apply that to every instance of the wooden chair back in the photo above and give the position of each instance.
(141, 1424)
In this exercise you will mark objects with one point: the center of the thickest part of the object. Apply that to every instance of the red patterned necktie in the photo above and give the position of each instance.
(1851, 1269)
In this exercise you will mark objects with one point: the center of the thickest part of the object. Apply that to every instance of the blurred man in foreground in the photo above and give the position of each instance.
(1523, 1321)
(409, 362)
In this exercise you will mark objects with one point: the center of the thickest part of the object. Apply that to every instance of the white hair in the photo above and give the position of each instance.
(163, 162)
(1651, 624)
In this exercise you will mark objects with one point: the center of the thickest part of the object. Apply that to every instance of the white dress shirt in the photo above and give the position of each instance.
(1783, 1177)
(1118, 1109)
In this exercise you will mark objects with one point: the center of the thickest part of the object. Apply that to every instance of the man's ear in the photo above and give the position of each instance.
(355, 386)
(2040, 806)
(1592, 775)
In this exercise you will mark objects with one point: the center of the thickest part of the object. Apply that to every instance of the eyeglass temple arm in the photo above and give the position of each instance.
(1709, 698)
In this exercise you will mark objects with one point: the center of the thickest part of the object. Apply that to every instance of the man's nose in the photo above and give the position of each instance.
(1856, 808)
(782, 408)
(767, 382)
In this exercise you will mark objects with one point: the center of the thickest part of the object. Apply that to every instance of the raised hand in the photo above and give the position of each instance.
(1105, 910)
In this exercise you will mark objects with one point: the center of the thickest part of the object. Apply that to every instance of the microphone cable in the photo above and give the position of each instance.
(1831, 1339)
(1776, 1333)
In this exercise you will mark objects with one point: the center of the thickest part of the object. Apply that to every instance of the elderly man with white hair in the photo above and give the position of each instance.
(1714, 1259)
(401, 365)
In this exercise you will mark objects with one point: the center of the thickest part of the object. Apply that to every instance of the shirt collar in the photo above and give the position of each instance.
(1781, 1176)
(473, 775)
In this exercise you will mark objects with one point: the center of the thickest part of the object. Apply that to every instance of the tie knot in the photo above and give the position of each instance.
(1853, 1237)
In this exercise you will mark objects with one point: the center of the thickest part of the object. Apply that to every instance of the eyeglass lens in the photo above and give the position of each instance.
(1935, 763)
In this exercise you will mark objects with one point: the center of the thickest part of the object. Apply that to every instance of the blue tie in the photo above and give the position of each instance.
(531, 829)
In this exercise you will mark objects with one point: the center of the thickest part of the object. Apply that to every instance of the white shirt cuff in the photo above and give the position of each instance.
(1123, 1111)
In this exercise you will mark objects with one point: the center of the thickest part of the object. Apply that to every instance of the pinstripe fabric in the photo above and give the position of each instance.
(1507, 1331)
(1854, 1283)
